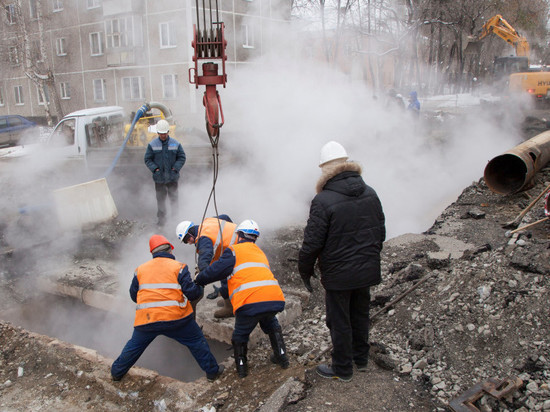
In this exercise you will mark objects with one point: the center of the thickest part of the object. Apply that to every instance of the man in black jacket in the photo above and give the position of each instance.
(345, 232)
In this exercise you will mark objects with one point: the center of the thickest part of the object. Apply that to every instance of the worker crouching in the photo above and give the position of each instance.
(254, 292)
(161, 288)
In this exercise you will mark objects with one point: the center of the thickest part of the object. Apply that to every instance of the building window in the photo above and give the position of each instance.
(248, 36)
(57, 5)
(96, 46)
(99, 90)
(13, 55)
(60, 46)
(115, 33)
(93, 4)
(33, 9)
(18, 91)
(65, 90)
(167, 33)
(11, 13)
(46, 93)
(1, 96)
(169, 86)
(132, 88)
(123, 32)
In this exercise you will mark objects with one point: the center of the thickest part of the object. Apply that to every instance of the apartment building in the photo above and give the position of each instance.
(119, 52)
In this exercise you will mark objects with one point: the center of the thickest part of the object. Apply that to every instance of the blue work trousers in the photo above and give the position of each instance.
(244, 325)
(186, 332)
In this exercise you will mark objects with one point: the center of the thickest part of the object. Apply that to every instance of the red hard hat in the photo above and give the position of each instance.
(158, 240)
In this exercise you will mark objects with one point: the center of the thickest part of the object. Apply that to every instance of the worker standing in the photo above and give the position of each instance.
(161, 288)
(165, 157)
(254, 292)
(414, 104)
(345, 232)
(211, 238)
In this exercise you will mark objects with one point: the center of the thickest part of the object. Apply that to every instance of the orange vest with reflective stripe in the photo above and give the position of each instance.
(210, 228)
(252, 280)
(159, 297)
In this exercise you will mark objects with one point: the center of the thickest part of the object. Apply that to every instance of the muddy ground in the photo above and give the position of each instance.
(480, 311)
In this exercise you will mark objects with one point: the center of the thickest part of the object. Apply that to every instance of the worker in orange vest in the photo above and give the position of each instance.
(211, 238)
(254, 292)
(162, 288)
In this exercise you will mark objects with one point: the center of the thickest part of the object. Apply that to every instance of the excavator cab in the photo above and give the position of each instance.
(505, 66)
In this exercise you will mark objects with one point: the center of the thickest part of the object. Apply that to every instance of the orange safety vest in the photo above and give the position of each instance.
(210, 228)
(251, 280)
(159, 297)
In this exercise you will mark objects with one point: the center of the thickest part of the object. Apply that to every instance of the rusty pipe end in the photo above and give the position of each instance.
(508, 173)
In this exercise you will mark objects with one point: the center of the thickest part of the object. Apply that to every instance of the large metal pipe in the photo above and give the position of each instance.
(514, 170)
(164, 109)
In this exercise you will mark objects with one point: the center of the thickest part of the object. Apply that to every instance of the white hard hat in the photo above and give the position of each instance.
(248, 227)
(332, 151)
(183, 228)
(163, 126)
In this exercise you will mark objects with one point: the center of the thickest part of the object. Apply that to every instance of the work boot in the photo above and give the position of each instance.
(279, 356)
(326, 371)
(241, 349)
(212, 377)
(226, 311)
(221, 303)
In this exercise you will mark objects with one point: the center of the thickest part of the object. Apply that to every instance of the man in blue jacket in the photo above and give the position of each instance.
(165, 158)
(344, 233)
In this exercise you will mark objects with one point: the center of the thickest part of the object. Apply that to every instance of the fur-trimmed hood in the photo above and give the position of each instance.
(330, 171)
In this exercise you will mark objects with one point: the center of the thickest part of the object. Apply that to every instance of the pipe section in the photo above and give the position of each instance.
(514, 170)
(164, 109)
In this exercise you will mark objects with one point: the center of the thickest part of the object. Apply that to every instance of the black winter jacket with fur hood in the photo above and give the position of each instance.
(345, 231)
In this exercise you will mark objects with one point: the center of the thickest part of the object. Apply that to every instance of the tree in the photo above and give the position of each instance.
(31, 52)
(427, 38)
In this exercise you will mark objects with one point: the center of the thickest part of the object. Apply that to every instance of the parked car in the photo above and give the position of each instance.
(15, 130)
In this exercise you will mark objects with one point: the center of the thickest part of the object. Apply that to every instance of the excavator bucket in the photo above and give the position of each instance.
(473, 47)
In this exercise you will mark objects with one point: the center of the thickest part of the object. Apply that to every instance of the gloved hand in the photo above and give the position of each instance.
(307, 281)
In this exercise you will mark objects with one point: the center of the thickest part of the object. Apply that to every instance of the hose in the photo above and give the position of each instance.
(139, 114)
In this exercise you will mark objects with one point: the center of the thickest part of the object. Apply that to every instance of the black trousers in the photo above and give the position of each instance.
(348, 322)
(162, 191)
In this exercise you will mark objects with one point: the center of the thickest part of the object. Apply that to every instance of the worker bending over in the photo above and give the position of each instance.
(254, 292)
(211, 238)
(161, 288)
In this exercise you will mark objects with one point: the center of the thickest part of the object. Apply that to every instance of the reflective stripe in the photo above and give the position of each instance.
(256, 284)
(233, 238)
(246, 266)
(249, 265)
(160, 286)
(161, 304)
(220, 236)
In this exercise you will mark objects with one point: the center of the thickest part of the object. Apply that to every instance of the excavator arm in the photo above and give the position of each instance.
(499, 26)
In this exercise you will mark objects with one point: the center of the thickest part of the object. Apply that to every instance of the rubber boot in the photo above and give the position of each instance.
(226, 311)
(279, 350)
(241, 349)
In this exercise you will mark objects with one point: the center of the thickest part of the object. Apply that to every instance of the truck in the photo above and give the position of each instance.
(94, 136)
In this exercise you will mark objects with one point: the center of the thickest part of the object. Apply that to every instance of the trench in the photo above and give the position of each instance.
(72, 321)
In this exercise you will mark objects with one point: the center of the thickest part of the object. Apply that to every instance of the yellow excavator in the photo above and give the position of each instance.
(521, 77)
